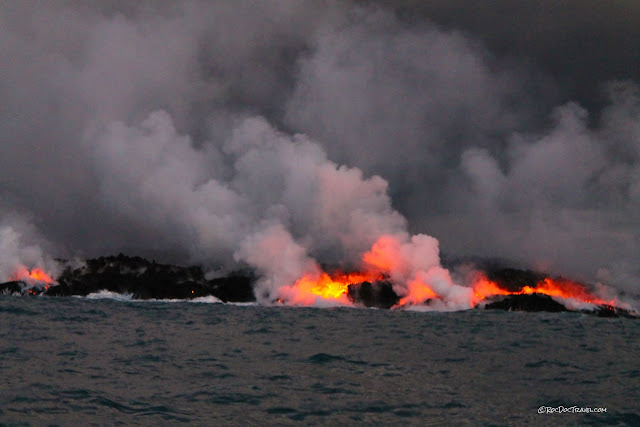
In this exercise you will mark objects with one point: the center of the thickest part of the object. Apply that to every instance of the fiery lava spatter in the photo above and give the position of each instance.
(33, 275)
(329, 287)
(418, 293)
(484, 288)
(412, 265)
(335, 287)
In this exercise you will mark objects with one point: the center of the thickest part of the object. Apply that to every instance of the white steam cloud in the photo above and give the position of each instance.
(20, 250)
(281, 201)
(217, 132)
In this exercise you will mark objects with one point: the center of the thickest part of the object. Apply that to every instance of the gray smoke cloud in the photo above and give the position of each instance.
(22, 246)
(198, 131)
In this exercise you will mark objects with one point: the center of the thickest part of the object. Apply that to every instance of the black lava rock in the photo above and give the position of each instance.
(234, 288)
(148, 280)
(606, 310)
(378, 294)
(529, 302)
(12, 288)
(145, 279)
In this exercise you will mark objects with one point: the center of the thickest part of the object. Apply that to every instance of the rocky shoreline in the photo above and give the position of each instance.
(144, 280)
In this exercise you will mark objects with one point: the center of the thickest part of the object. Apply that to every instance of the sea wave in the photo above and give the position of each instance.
(127, 297)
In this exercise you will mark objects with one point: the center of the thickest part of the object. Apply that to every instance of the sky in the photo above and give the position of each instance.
(213, 132)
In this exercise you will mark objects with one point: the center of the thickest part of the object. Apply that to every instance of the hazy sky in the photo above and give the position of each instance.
(185, 129)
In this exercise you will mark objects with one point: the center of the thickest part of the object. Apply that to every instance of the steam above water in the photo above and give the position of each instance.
(287, 135)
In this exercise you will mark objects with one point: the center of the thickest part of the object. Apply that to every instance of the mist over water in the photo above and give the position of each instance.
(222, 133)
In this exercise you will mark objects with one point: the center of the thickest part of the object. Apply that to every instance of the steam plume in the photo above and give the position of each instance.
(205, 131)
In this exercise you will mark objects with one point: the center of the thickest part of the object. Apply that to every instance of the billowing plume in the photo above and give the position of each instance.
(150, 170)
(21, 256)
(218, 133)
(413, 265)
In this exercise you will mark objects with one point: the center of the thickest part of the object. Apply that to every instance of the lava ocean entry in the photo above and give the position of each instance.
(33, 275)
(379, 284)
(342, 287)
(347, 288)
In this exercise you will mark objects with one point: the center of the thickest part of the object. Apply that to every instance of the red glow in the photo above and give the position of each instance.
(419, 292)
(419, 278)
(484, 288)
(33, 275)
(330, 287)
(384, 255)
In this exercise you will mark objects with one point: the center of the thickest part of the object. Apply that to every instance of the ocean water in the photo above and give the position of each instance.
(73, 361)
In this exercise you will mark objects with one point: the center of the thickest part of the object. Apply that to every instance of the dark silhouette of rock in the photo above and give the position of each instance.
(144, 279)
(542, 302)
(529, 302)
(14, 287)
(606, 310)
(234, 288)
(378, 294)
(148, 280)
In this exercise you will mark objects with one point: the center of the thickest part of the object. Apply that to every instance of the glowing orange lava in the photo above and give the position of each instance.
(333, 286)
(418, 293)
(484, 288)
(415, 268)
(33, 275)
(565, 289)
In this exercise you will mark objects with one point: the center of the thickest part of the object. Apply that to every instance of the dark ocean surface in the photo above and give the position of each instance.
(78, 361)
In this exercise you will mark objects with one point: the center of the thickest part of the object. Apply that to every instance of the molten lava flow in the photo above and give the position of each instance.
(33, 275)
(565, 289)
(419, 292)
(329, 287)
(484, 288)
(391, 256)
(417, 278)
(40, 275)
